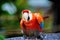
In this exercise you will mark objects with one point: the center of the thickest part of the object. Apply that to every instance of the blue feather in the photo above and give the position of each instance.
(42, 24)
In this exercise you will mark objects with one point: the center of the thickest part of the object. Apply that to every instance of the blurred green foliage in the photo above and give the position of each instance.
(2, 37)
(11, 22)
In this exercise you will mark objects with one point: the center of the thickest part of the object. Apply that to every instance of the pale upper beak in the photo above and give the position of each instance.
(25, 16)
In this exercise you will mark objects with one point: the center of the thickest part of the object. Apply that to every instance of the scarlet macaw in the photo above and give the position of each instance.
(31, 21)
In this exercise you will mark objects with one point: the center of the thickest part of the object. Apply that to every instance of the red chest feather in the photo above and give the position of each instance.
(31, 25)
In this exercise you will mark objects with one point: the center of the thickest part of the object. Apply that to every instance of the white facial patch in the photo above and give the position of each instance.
(25, 16)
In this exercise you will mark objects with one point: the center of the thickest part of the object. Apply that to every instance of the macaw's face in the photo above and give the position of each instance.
(27, 16)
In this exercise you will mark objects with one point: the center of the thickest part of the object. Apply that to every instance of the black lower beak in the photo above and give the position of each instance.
(28, 18)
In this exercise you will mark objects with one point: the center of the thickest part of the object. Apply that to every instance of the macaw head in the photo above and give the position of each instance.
(26, 14)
